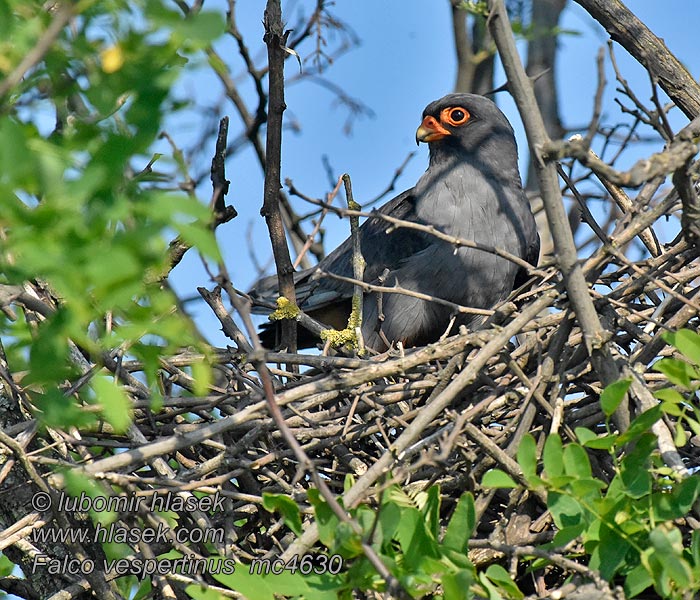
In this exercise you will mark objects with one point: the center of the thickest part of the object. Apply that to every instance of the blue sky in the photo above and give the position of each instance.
(405, 60)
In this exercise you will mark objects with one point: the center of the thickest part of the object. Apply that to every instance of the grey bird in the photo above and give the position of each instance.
(471, 190)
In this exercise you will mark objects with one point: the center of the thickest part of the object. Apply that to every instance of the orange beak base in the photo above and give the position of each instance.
(430, 131)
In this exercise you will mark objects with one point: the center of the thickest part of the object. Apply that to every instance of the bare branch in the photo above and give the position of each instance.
(275, 39)
(61, 16)
(625, 28)
(565, 250)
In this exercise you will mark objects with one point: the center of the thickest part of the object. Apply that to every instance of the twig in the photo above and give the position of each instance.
(429, 412)
(682, 148)
(61, 16)
(397, 289)
(392, 184)
(219, 182)
(324, 212)
(221, 213)
(647, 236)
(595, 338)
(358, 264)
(625, 28)
(230, 329)
(597, 105)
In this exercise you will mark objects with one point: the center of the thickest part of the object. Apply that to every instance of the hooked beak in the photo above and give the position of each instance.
(430, 131)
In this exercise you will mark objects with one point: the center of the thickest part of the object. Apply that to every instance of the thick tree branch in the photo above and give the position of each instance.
(275, 38)
(595, 337)
(649, 50)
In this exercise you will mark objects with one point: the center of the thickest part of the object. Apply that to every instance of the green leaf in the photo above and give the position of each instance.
(202, 375)
(6, 566)
(604, 442)
(286, 507)
(637, 580)
(20, 166)
(670, 395)
(610, 552)
(48, 354)
(673, 409)
(123, 267)
(687, 342)
(348, 482)
(637, 481)
(79, 486)
(566, 511)
(693, 424)
(552, 456)
(58, 410)
(347, 541)
(461, 525)
(204, 27)
(115, 404)
(680, 438)
(254, 586)
(567, 534)
(195, 29)
(455, 586)
(634, 468)
(642, 424)
(576, 462)
(495, 478)
(326, 520)
(677, 371)
(695, 547)
(527, 456)
(667, 541)
(200, 237)
(498, 575)
(389, 519)
(587, 488)
(416, 542)
(585, 435)
(430, 507)
(398, 496)
(676, 502)
(612, 395)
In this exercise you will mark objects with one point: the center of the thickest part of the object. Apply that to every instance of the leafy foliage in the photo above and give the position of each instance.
(629, 527)
(81, 215)
(405, 532)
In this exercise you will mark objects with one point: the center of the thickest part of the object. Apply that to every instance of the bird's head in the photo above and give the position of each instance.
(465, 124)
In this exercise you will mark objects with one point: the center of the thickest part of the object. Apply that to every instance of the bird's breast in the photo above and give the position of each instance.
(466, 205)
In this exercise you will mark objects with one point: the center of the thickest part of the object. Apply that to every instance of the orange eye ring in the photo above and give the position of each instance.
(455, 116)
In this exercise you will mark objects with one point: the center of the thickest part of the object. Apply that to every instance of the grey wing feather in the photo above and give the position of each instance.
(380, 249)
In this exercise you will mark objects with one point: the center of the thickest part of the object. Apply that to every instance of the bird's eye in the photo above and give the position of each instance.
(455, 116)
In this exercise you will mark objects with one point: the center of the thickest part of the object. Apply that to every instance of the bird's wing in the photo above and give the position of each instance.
(382, 248)
(265, 291)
